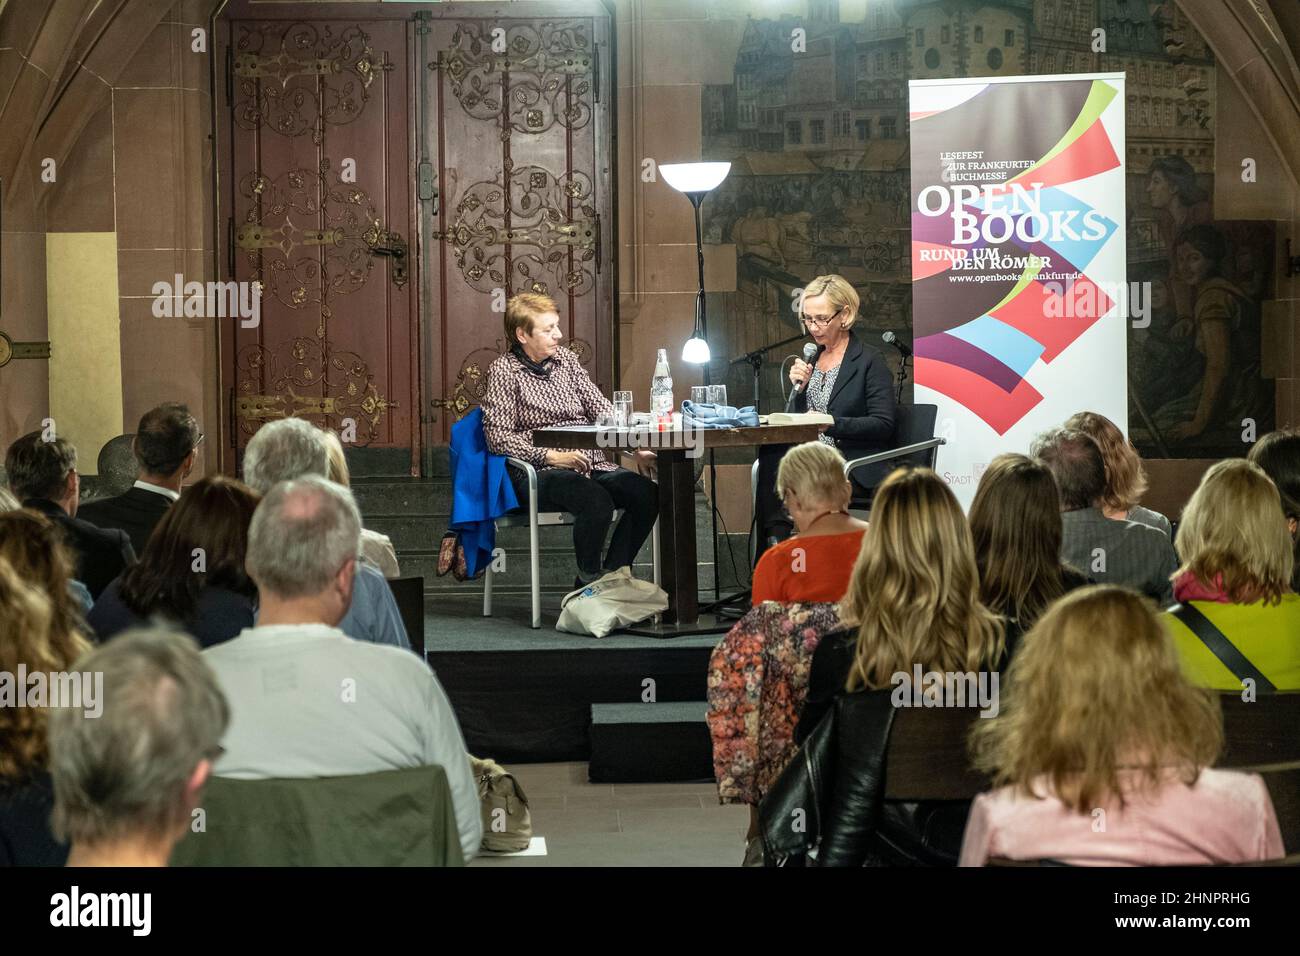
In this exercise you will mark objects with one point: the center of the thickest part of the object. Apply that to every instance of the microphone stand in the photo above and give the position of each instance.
(755, 360)
(902, 376)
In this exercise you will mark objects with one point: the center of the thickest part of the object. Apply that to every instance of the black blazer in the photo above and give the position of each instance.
(101, 555)
(862, 402)
(136, 512)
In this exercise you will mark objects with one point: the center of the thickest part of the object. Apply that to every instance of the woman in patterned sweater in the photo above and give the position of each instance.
(538, 384)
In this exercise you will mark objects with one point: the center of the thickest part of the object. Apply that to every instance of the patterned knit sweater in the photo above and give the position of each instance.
(518, 401)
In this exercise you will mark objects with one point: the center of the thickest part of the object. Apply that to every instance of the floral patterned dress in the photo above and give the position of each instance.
(758, 679)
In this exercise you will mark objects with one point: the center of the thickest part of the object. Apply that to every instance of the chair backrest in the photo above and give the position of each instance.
(912, 424)
(409, 595)
(927, 757)
(1260, 732)
(1284, 789)
(391, 818)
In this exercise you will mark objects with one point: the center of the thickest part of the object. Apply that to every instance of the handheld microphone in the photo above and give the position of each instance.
(810, 353)
(893, 340)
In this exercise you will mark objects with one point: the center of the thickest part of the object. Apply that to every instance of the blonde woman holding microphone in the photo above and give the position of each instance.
(849, 381)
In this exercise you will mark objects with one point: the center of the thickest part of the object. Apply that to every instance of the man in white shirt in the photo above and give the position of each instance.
(305, 699)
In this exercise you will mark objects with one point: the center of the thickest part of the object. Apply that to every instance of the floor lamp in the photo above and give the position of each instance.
(695, 181)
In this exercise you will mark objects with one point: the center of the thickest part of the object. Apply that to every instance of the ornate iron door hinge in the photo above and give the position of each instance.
(10, 350)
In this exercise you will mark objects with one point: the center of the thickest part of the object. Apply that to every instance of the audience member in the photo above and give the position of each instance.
(127, 780)
(293, 448)
(539, 384)
(1278, 453)
(1099, 726)
(814, 566)
(43, 474)
(37, 550)
(306, 700)
(1238, 617)
(1110, 551)
(913, 602)
(1126, 478)
(913, 598)
(31, 637)
(191, 574)
(375, 547)
(1015, 523)
(165, 444)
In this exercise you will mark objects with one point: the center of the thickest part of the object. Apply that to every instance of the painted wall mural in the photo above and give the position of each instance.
(819, 183)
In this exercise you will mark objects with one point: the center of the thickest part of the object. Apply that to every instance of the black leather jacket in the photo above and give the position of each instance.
(834, 788)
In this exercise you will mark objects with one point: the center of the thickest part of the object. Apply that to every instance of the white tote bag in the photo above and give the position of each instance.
(614, 600)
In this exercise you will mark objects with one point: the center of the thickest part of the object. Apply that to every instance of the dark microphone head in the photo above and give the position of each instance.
(811, 351)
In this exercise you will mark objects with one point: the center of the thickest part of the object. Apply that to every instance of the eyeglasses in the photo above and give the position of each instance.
(820, 321)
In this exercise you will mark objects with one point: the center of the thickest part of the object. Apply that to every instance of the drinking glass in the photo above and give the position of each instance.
(622, 409)
(718, 395)
(699, 394)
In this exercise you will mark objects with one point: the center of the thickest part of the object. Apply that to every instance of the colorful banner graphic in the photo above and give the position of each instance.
(1019, 295)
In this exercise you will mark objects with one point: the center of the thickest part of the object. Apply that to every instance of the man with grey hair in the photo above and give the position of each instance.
(306, 700)
(126, 782)
(292, 448)
(1107, 550)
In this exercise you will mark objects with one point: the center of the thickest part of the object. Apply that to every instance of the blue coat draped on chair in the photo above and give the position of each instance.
(481, 491)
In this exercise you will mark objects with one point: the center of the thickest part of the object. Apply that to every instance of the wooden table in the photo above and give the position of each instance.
(674, 450)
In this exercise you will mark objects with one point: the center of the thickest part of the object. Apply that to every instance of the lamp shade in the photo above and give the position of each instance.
(694, 177)
(695, 351)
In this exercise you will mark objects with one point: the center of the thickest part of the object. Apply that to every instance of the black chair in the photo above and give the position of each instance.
(409, 595)
(914, 444)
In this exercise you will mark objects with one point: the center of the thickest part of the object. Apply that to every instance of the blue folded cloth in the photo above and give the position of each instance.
(711, 415)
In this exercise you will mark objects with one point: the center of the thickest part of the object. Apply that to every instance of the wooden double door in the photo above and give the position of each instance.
(387, 176)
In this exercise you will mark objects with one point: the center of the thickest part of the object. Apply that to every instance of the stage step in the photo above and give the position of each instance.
(650, 743)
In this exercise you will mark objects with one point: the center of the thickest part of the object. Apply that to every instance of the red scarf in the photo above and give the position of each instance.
(1188, 587)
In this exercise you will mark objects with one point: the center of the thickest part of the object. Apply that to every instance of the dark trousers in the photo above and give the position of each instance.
(592, 501)
(771, 518)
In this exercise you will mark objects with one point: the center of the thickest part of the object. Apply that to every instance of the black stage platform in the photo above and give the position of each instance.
(526, 695)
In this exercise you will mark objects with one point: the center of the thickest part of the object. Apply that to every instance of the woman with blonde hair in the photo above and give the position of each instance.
(913, 598)
(1238, 618)
(31, 637)
(913, 602)
(815, 565)
(1102, 749)
(1015, 521)
(375, 547)
(848, 380)
(1126, 477)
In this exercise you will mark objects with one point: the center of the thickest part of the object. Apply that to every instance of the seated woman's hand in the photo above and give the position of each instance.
(573, 460)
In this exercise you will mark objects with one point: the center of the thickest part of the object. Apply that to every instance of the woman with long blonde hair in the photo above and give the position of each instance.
(913, 598)
(1102, 747)
(31, 637)
(1238, 618)
(913, 602)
